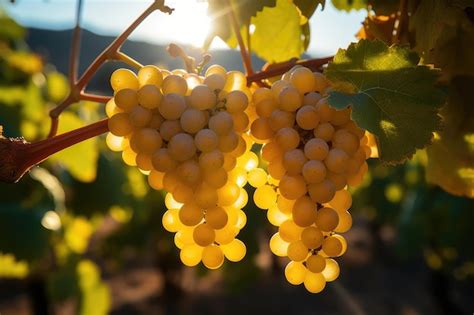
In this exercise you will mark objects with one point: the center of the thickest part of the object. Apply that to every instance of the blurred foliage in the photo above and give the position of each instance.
(86, 212)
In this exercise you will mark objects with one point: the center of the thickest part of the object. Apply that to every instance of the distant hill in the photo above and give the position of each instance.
(54, 46)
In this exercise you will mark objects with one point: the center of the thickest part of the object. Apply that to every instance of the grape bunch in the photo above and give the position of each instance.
(313, 153)
(188, 133)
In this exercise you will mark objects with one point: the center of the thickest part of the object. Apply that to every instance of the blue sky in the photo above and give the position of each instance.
(330, 29)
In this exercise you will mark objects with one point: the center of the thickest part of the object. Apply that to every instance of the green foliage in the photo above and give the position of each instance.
(80, 159)
(392, 96)
(348, 5)
(451, 156)
(281, 29)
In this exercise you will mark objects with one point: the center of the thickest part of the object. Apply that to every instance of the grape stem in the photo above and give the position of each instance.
(313, 64)
(247, 61)
(112, 52)
(18, 156)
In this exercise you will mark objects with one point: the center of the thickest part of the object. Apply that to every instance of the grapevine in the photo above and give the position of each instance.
(293, 131)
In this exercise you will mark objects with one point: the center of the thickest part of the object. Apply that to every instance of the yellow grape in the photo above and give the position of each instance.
(191, 255)
(174, 84)
(171, 203)
(339, 180)
(345, 141)
(226, 235)
(211, 160)
(324, 110)
(221, 123)
(275, 216)
(215, 81)
(341, 117)
(312, 98)
(170, 181)
(163, 161)
(334, 245)
(235, 80)
(183, 193)
(345, 222)
(297, 251)
(143, 161)
(278, 246)
(123, 79)
(265, 197)
(129, 157)
(303, 79)
(320, 82)
(327, 219)
(265, 107)
(171, 221)
(189, 171)
(172, 106)
(126, 99)
(295, 272)
(184, 237)
(205, 196)
(149, 96)
(238, 176)
(228, 194)
(324, 131)
(316, 263)
(146, 140)
(307, 117)
(140, 117)
(212, 257)
(234, 251)
(206, 140)
(236, 101)
(155, 180)
(314, 282)
(289, 231)
(170, 128)
(229, 142)
(285, 205)
(271, 151)
(280, 119)
(120, 125)
(342, 200)
(336, 161)
(287, 138)
(292, 187)
(242, 200)
(241, 122)
(261, 129)
(312, 237)
(202, 97)
(322, 192)
(257, 177)
(216, 178)
(216, 217)
(276, 169)
(114, 143)
(216, 69)
(293, 161)
(314, 171)
(150, 75)
(204, 235)
(331, 271)
(304, 211)
(181, 147)
(248, 161)
(261, 94)
(316, 149)
(190, 214)
(111, 108)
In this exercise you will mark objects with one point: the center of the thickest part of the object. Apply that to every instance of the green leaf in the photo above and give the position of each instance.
(348, 5)
(95, 295)
(451, 156)
(80, 159)
(218, 11)
(307, 7)
(454, 47)
(58, 87)
(393, 97)
(278, 31)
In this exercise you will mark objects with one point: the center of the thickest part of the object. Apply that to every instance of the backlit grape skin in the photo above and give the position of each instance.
(193, 134)
(312, 152)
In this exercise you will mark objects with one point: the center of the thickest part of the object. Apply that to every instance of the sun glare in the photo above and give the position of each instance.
(190, 23)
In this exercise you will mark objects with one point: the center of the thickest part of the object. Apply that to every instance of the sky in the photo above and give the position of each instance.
(330, 29)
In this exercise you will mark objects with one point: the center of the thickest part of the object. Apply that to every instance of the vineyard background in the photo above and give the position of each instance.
(410, 250)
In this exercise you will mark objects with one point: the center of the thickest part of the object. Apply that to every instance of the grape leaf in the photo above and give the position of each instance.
(307, 7)
(277, 35)
(348, 5)
(455, 40)
(81, 159)
(451, 156)
(393, 97)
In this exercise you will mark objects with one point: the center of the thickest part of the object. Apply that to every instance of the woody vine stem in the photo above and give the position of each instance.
(17, 156)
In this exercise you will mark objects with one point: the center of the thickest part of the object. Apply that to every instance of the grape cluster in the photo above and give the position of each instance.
(188, 133)
(313, 152)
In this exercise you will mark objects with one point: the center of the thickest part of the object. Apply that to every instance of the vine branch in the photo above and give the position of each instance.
(110, 53)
